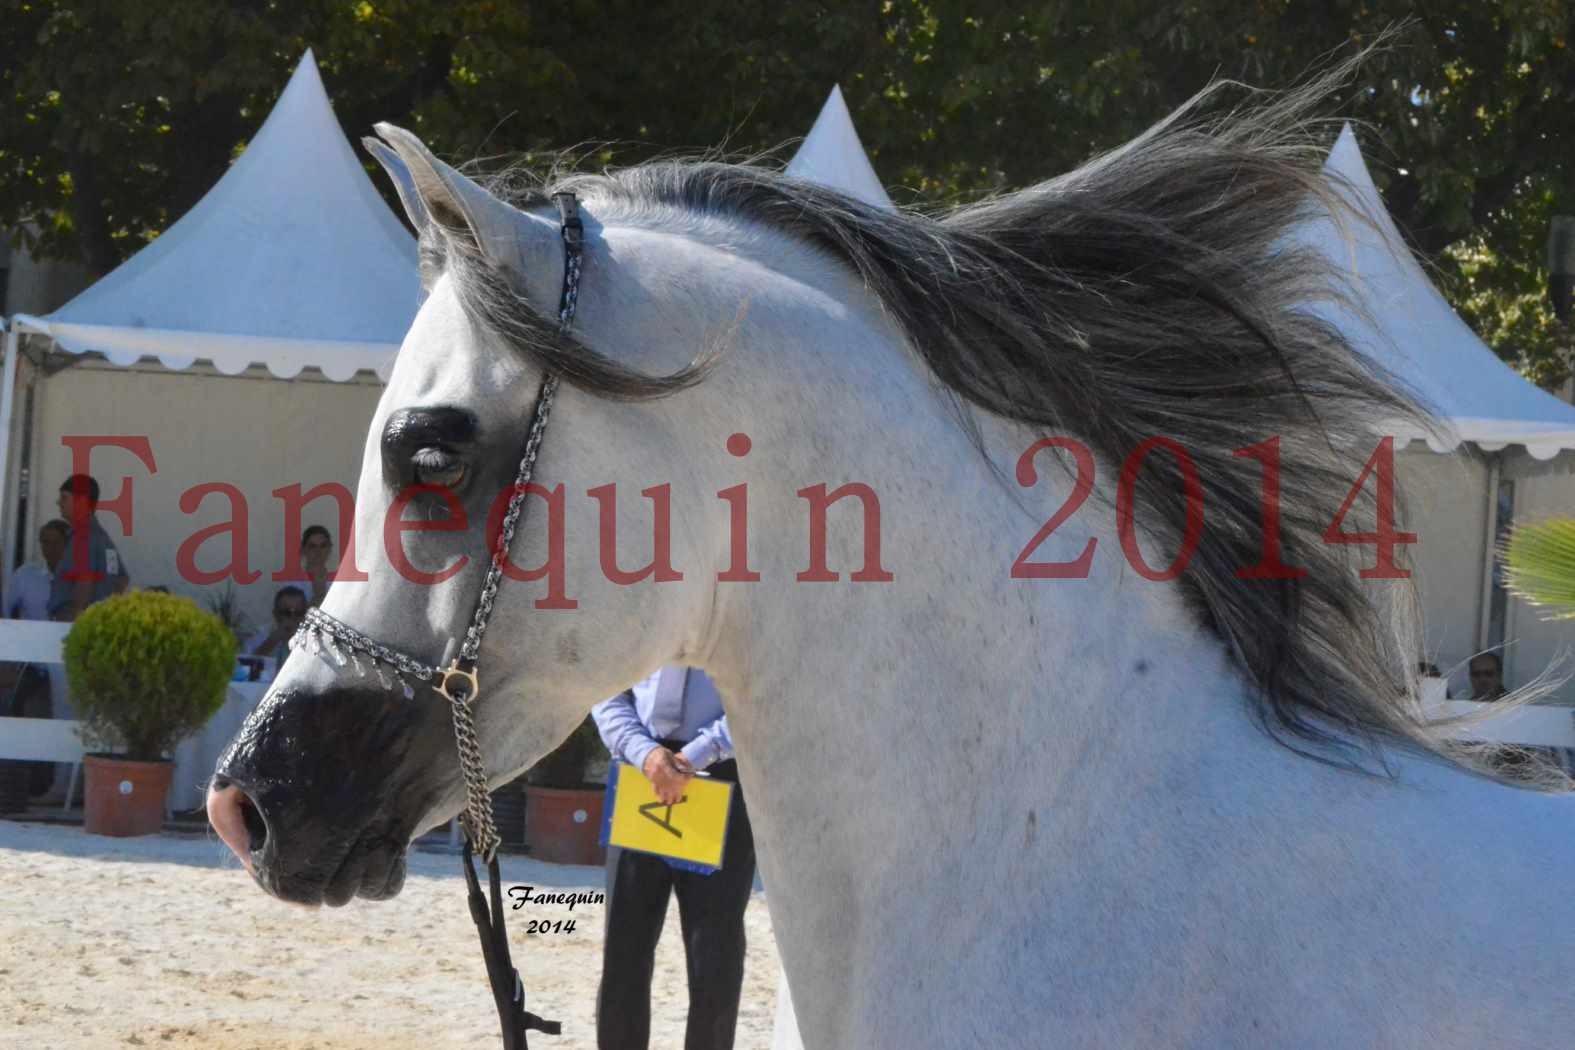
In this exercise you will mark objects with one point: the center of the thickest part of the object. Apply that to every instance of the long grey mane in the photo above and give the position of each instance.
(1148, 293)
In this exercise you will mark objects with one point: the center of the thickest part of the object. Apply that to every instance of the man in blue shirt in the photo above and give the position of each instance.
(91, 569)
(27, 596)
(668, 726)
(31, 686)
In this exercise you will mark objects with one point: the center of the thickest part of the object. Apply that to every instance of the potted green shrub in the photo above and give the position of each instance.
(563, 809)
(145, 670)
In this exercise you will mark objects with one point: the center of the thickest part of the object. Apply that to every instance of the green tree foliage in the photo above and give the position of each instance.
(120, 115)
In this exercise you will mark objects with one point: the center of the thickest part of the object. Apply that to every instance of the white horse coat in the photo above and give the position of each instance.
(995, 812)
(990, 811)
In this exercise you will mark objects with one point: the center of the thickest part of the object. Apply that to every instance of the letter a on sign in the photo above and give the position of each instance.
(691, 831)
(648, 811)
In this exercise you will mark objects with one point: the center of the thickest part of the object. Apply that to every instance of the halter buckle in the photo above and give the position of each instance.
(469, 685)
(569, 219)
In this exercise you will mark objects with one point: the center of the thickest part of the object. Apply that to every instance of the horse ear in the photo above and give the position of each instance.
(404, 183)
(449, 209)
(438, 197)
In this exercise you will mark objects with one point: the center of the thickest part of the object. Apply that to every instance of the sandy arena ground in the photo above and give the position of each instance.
(164, 942)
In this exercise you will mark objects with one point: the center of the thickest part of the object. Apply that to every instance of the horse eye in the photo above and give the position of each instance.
(434, 466)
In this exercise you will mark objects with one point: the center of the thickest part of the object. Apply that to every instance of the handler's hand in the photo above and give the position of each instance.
(668, 773)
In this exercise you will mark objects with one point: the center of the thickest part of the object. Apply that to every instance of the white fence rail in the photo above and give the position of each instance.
(38, 739)
(1535, 725)
(33, 641)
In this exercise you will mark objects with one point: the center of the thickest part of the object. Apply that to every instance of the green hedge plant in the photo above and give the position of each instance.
(146, 670)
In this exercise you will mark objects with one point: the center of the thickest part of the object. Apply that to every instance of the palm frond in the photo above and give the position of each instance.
(1540, 563)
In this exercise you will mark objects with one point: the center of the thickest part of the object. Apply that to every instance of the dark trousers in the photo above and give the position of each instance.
(711, 915)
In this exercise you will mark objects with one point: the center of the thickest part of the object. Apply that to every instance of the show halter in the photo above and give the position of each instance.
(457, 682)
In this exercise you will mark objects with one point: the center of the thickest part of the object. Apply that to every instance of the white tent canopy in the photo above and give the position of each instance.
(1421, 339)
(832, 155)
(291, 260)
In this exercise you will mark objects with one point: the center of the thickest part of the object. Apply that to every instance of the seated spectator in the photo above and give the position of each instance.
(1487, 677)
(289, 609)
(316, 545)
(27, 598)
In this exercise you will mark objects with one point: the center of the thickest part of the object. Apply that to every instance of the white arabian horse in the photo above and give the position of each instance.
(1125, 782)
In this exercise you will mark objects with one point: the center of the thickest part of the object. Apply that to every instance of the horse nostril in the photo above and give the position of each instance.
(256, 827)
(236, 818)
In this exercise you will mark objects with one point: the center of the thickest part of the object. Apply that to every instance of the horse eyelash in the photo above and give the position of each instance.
(432, 459)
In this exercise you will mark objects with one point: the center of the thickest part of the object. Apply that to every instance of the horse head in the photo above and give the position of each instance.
(346, 759)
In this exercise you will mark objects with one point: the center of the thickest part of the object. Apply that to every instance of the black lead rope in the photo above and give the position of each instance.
(507, 991)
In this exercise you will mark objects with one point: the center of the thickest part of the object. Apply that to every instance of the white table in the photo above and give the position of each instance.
(199, 753)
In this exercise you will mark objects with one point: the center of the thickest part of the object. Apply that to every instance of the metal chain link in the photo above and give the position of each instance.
(471, 650)
(477, 816)
(319, 630)
(318, 626)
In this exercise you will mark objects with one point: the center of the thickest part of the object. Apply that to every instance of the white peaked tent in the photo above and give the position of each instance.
(832, 155)
(1456, 500)
(1421, 339)
(291, 261)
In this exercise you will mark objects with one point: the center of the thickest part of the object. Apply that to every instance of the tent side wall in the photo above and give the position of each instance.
(1447, 502)
(256, 434)
(1448, 512)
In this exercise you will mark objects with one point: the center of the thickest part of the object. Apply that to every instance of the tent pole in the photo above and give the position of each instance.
(1490, 519)
(7, 397)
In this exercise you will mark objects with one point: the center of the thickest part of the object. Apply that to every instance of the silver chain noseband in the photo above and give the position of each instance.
(457, 683)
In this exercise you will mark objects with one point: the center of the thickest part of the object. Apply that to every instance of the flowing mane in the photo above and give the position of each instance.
(1150, 292)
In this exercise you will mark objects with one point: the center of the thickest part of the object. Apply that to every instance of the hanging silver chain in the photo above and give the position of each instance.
(476, 819)
(457, 683)
(320, 633)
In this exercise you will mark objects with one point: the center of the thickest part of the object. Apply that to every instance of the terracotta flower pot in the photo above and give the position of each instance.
(562, 825)
(123, 797)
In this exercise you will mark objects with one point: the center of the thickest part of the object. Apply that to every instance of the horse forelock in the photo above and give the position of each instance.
(1152, 292)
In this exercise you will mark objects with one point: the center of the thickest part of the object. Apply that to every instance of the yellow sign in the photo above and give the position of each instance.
(692, 830)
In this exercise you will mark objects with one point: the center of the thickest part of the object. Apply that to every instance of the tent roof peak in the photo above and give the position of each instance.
(290, 260)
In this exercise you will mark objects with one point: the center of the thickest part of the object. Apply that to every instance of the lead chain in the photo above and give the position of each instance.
(477, 817)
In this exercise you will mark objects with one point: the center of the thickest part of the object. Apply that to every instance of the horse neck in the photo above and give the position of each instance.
(915, 693)
(952, 727)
